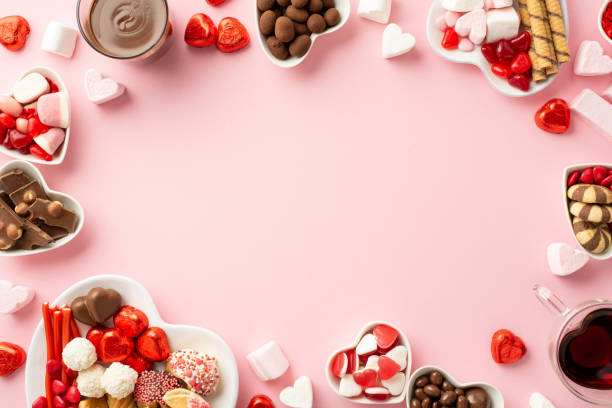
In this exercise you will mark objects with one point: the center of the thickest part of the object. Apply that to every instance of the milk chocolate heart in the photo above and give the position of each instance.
(80, 312)
(102, 303)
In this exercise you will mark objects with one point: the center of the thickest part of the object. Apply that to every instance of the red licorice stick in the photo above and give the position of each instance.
(46, 312)
(66, 317)
(57, 334)
(74, 329)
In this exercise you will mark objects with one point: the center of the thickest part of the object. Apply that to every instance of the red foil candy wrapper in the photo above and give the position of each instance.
(201, 31)
(261, 401)
(11, 358)
(153, 344)
(506, 347)
(554, 116)
(94, 335)
(131, 321)
(137, 362)
(14, 31)
(115, 346)
(232, 35)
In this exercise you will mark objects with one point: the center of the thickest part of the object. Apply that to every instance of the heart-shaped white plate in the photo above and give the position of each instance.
(179, 337)
(607, 254)
(69, 202)
(60, 154)
(334, 382)
(344, 8)
(475, 57)
(495, 397)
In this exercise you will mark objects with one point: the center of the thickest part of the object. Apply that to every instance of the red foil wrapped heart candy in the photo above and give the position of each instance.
(131, 321)
(115, 346)
(554, 116)
(201, 31)
(232, 35)
(153, 344)
(11, 358)
(14, 32)
(506, 347)
(261, 401)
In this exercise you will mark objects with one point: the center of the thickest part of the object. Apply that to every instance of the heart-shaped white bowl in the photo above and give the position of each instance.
(607, 254)
(60, 154)
(600, 19)
(179, 337)
(495, 397)
(334, 382)
(344, 8)
(69, 202)
(476, 58)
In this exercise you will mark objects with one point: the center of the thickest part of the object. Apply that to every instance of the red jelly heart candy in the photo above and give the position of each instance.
(387, 368)
(599, 173)
(586, 176)
(377, 393)
(521, 42)
(339, 365)
(554, 116)
(260, 401)
(131, 321)
(14, 31)
(386, 336)
(58, 387)
(36, 127)
(520, 81)
(450, 39)
(489, 51)
(506, 347)
(72, 395)
(40, 402)
(607, 182)
(58, 402)
(18, 139)
(94, 335)
(505, 52)
(521, 63)
(501, 70)
(232, 35)
(11, 358)
(572, 179)
(153, 344)
(38, 152)
(137, 362)
(365, 378)
(353, 363)
(115, 346)
(201, 31)
(54, 368)
(7, 121)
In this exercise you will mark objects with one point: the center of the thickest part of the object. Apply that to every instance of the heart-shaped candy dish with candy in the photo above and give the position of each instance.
(35, 118)
(373, 370)
(432, 386)
(588, 204)
(518, 44)
(104, 345)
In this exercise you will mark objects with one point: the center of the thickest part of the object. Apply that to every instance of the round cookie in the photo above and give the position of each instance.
(197, 370)
(594, 238)
(590, 193)
(151, 387)
(591, 212)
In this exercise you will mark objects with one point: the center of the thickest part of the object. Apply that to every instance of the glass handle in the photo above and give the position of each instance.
(550, 300)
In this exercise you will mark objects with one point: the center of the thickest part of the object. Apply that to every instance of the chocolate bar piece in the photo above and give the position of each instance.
(11, 227)
(32, 237)
(5, 197)
(28, 193)
(51, 213)
(13, 180)
(55, 232)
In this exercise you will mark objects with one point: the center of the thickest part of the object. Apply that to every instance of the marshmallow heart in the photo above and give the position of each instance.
(99, 89)
(538, 400)
(591, 61)
(473, 25)
(565, 260)
(395, 43)
(395, 384)
(399, 354)
(348, 387)
(367, 345)
(14, 298)
(298, 396)
(375, 10)
(462, 6)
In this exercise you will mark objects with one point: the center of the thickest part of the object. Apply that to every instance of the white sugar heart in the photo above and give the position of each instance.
(367, 345)
(298, 396)
(14, 298)
(395, 384)
(399, 354)
(100, 89)
(591, 61)
(538, 400)
(395, 43)
(372, 363)
(565, 260)
(473, 25)
(348, 387)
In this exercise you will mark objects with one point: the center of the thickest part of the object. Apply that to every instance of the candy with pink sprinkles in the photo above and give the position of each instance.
(152, 385)
(198, 370)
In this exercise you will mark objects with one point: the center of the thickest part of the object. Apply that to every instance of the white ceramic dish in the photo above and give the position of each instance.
(69, 202)
(566, 173)
(599, 20)
(476, 58)
(179, 336)
(60, 154)
(495, 397)
(334, 382)
(344, 8)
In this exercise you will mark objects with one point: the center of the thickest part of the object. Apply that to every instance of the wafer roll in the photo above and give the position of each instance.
(554, 68)
(537, 74)
(539, 36)
(559, 36)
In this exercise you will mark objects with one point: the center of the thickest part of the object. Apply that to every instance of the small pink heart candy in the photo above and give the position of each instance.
(100, 90)
(14, 298)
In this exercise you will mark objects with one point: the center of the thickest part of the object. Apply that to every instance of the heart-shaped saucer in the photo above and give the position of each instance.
(495, 397)
(475, 57)
(334, 382)
(343, 6)
(60, 154)
(69, 202)
(607, 254)
(179, 336)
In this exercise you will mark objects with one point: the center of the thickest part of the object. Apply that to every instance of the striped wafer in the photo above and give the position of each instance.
(537, 74)
(539, 34)
(594, 238)
(591, 212)
(559, 36)
(590, 193)
(554, 68)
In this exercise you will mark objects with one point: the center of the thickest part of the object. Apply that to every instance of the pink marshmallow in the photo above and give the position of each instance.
(51, 140)
(268, 362)
(441, 23)
(451, 18)
(474, 25)
(21, 124)
(591, 60)
(595, 110)
(466, 45)
(54, 109)
(9, 105)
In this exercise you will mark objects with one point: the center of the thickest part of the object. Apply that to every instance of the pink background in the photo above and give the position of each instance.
(299, 204)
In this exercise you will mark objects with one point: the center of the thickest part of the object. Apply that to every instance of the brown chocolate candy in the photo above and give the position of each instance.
(277, 48)
(33, 237)
(415, 403)
(284, 30)
(301, 29)
(296, 14)
(436, 378)
(52, 213)
(267, 22)
(102, 303)
(11, 227)
(80, 311)
(459, 391)
(448, 398)
(420, 394)
(5, 197)
(447, 386)
(316, 23)
(28, 193)
(13, 180)
(462, 402)
(314, 6)
(299, 3)
(432, 391)
(283, 3)
(426, 403)
(477, 398)
(422, 381)
(278, 11)
(264, 5)
(300, 46)
(329, 4)
(332, 16)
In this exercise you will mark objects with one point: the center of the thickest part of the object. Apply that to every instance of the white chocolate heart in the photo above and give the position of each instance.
(298, 396)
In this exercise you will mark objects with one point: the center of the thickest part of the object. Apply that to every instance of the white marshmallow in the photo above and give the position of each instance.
(538, 400)
(348, 387)
(399, 354)
(396, 43)
(441, 23)
(367, 345)
(591, 61)
(565, 260)
(451, 17)
(30, 88)
(493, 4)
(595, 110)
(59, 39)
(396, 384)
(474, 25)
(268, 362)
(372, 363)
(298, 396)
(502, 23)
(462, 6)
(375, 10)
